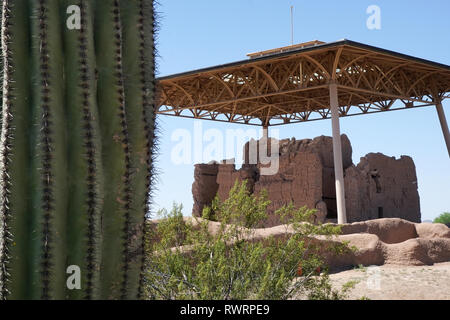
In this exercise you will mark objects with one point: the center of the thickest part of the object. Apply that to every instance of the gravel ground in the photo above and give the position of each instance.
(393, 282)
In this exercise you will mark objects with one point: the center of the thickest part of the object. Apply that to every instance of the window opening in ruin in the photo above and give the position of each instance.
(376, 177)
(331, 207)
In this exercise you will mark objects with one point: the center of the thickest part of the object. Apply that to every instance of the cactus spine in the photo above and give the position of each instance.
(76, 146)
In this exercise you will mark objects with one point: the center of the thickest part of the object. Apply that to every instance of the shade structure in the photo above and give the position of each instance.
(292, 85)
(308, 82)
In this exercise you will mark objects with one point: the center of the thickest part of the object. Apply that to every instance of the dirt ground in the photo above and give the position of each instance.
(392, 282)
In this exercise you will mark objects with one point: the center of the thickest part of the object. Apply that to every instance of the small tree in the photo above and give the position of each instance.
(200, 259)
(443, 218)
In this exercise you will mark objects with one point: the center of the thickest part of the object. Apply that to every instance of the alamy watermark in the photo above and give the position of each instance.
(73, 281)
(203, 146)
(73, 22)
(374, 20)
(374, 278)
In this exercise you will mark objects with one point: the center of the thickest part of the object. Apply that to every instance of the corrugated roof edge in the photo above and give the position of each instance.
(307, 49)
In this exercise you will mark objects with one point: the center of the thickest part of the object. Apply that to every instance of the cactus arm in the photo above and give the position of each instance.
(76, 151)
(111, 102)
(49, 167)
(14, 151)
(85, 170)
(137, 19)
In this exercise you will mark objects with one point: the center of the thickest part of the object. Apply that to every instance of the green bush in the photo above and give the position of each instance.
(443, 218)
(189, 261)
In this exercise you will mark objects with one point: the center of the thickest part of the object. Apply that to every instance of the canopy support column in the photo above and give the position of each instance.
(265, 132)
(444, 125)
(266, 141)
(337, 154)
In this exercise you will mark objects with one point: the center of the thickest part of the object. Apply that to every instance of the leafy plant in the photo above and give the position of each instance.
(443, 218)
(229, 259)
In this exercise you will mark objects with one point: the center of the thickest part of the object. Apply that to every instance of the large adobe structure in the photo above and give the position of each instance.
(378, 187)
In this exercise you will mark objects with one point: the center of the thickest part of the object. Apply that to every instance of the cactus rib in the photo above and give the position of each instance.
(90, 135)
(85, 168)
(14, 151)
(147, 57)
(137, 96)
(111, 102)
(49, 157)
(47, 146)
(5, 153)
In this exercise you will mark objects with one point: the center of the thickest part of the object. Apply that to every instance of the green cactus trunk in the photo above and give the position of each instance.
(76, 146)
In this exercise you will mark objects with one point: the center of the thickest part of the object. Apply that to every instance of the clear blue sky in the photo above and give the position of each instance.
(202, 33)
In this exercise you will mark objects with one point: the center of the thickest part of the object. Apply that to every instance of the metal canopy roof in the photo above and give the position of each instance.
(293, 86)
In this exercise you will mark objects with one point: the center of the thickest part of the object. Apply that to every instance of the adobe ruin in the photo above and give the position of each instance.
(378, 187)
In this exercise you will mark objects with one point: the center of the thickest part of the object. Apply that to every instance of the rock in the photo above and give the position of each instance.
(438, 249)
(370, 252)
(404, 246)
(388, 230)
(393, 241)
(411, 252)
(432, 230)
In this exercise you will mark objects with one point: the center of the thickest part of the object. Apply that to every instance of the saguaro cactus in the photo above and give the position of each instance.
(76, 148)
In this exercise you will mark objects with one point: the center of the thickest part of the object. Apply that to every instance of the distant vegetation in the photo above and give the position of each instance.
(443, 218)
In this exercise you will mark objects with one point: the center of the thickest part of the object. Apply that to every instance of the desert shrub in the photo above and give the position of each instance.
(443, 218)
(200, 259)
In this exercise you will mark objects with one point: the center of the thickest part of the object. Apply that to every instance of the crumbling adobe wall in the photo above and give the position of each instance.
(379, 186)
(205, 186)
(299, 180)
(227, 176)
(382, 187)
(306, 175)
(323, 147)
